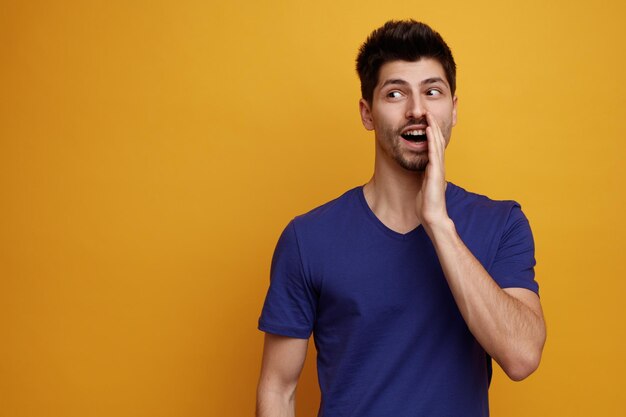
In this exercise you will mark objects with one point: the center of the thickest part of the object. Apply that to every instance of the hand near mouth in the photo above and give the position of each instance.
(431, 199)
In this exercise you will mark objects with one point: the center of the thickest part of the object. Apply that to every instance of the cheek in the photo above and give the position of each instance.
(446, 117)
(385, 126)
(386, 119)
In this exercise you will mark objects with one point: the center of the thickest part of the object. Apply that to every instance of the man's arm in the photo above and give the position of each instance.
(507, 323)
(283, 359)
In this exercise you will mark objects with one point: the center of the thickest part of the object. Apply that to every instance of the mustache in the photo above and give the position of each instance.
(412, 122)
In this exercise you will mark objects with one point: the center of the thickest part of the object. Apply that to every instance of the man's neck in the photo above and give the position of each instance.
(391, 194)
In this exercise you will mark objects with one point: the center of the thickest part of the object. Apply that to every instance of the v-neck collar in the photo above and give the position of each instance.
(386, 230)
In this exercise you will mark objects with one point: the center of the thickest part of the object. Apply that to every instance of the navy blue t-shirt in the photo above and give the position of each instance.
(390, 339)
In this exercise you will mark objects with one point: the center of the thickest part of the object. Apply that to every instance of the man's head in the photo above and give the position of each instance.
(407, 71)
(404, 40)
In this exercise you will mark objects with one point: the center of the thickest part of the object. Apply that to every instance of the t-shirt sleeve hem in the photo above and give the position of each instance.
(519, 283)
(284, 331)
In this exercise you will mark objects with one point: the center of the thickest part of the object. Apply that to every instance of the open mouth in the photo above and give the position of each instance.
(416, 135)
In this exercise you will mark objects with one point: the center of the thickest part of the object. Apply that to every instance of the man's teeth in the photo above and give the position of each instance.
(415, 135)
(415, 132)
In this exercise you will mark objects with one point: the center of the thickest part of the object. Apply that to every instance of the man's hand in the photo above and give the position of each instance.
(431, 199)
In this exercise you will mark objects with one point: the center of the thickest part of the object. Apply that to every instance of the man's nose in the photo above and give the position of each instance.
(415, 108)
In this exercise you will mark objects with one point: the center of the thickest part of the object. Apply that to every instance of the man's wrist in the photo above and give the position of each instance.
(442, 229)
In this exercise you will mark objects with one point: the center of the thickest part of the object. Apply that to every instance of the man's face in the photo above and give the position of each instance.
(397, 114)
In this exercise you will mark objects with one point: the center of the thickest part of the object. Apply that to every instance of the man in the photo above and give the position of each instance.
(410, 284)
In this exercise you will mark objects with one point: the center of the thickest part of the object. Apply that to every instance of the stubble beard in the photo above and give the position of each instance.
(409, 160)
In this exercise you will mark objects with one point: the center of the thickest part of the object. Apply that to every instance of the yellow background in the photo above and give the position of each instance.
(152, 151)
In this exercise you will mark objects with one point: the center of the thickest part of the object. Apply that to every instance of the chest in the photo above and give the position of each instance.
(376, 285)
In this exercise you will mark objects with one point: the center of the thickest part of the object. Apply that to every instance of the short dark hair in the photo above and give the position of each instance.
(404, 40)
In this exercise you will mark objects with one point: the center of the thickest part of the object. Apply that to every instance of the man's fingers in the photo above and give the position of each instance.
(436, 142)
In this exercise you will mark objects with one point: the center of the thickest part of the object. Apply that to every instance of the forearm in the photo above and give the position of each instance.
(275, 403)
(283, 358)
(509, 330)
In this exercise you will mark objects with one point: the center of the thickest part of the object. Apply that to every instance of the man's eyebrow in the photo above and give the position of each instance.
(432, 80)
(400, 81)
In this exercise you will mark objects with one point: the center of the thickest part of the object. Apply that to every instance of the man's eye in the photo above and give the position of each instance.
(433, 92)
(394, 94)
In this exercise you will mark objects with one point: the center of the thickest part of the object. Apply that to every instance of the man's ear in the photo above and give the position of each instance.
(366, 114)
(455, 100)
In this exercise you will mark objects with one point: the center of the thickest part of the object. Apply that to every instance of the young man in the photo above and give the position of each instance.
(409, 284)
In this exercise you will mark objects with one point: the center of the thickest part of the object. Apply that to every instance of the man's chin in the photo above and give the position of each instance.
(418, 165)
(419, 168)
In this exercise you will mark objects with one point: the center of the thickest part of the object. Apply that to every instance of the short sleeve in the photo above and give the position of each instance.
(514, 263)
(290, 304)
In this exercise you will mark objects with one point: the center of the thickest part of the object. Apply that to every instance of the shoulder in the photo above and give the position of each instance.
(310, 235)
(471, 205)
(468, 199)
(479, 217)
(328, 216)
